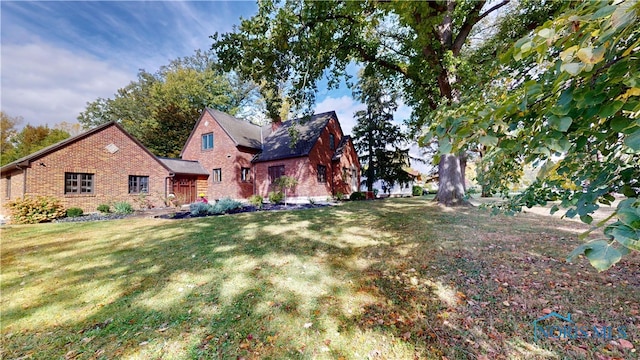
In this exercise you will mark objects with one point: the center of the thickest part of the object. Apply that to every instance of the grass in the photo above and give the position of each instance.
(392, 279)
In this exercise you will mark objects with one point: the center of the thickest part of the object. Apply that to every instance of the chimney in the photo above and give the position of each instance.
(275, 124)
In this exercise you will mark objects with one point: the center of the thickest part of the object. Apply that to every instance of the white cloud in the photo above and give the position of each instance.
(47, 85)
(345, 107)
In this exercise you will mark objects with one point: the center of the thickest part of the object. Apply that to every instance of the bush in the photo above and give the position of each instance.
(74, 212)
(123, 207)
(33, 210)
(339, 196)
(104, 208)
(256, 200)
(357, 196)
(276, 197)
(199, 208)
(225, 205)
(416, 190)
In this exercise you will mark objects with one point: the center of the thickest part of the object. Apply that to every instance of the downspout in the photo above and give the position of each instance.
(166, 184)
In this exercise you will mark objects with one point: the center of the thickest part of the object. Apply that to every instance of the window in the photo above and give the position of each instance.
(332, 140)
(217, 175)
(138, 184)
(322, 174)
(78, 183)
(245, 174)
(275, 172)
(207, 141)
(345, 174)
(8, 194)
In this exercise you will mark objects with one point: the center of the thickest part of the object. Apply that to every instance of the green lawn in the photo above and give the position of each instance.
(392, 279)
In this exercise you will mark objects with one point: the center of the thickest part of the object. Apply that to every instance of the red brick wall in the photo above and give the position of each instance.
(111, 171)
(224, 155)
(305, 168)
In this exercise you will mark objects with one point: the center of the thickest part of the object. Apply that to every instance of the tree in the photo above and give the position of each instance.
(417, 44)
(569, 100)
(376, 139)
(171, 98)
(284, 184)
(31, 139)
(7, 133)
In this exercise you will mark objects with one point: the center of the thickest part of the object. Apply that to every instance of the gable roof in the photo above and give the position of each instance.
(184, 167)
(24, 161)
(278, 144)
(341, 147)
(241, 132)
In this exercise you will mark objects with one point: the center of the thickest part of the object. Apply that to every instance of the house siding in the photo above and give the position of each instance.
(46, 174)
(225, 155)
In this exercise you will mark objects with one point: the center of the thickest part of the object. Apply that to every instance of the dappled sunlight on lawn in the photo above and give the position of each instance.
(395, 279)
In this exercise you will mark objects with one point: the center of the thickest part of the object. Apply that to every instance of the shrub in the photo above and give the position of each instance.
(276, 197)
(357, 196)
(225, 205)
(33, 210)
(104, 208)
(256, 200)
(74, 212)
(123, 207)
(416, 190)
(339, 196)
(199, 208)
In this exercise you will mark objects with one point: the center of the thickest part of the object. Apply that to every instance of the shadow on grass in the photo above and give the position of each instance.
(400, 279)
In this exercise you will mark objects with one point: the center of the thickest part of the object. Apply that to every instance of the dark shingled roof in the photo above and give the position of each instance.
(341, 146)
(187, 167)
(308, 130)
(242, 132)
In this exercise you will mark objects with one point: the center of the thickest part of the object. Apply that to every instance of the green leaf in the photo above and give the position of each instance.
(488, 140)
(624, 235)
(602, 12)
(445, 146)
(629, 217)
(618, 124)
(633, 140)
(601, 254)
(560, 124)
(610, 109)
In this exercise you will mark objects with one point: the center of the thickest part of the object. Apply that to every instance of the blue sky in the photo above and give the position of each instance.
(59, 55)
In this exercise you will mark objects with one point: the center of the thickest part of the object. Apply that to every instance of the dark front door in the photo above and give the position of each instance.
(184, 189)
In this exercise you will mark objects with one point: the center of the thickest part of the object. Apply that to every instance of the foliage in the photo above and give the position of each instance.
(74, 212)
(143, 201)
(284, 184)
(226, 205)
(276, 197)
(256, 200)
(29, 140)
(122, 207)
(104, 208)
(8, 132)
(33, 210)
(415, 47)
(568, 102)
(357, 195)
(161, 108)
(200, 208)
(339, 196)
(416, 190)
(376, 138)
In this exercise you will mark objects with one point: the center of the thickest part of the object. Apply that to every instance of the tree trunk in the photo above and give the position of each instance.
(451, 186)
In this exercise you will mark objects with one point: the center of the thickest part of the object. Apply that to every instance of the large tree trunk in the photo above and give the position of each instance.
(451, 186)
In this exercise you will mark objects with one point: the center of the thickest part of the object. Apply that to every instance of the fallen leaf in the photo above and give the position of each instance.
(547, 311)
(308, 325)
(505, 303)
(625, 344)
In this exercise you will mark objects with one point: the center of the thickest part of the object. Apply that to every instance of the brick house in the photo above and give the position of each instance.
(100, 166)
(244, 159)
(223, 157)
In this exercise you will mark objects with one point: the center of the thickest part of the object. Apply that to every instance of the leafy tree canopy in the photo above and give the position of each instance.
(29, 140)
(183, 88)
(566, 97)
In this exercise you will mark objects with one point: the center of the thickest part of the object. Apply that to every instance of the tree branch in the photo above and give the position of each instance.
(473, 18)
